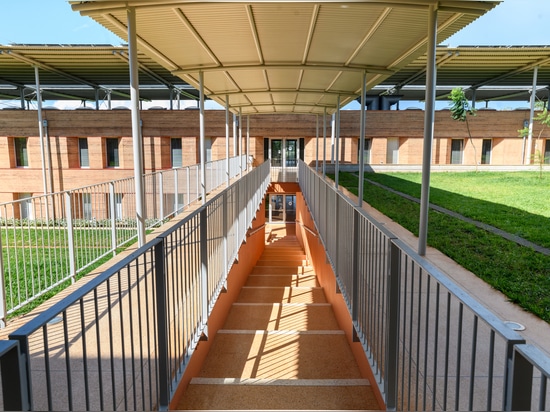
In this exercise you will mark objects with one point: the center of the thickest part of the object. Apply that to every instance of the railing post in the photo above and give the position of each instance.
(188, 183)
(392, 333)
(176, 184)
(519, 383)
(355, 274)
(13, 377)
(161, 197)
(225, 223)
(203, 222)
(112, 213)
(3, 303)
(162, 327)
(70, 236)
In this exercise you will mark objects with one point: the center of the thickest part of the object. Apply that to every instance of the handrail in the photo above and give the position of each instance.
(430, 344)
(131, 313)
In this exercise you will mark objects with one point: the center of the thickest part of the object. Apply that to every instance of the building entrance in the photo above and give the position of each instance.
(281, 209)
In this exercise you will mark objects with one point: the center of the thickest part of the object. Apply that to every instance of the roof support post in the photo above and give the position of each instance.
(240, 143)
(22, 97)
(317, 143)
(248, 162)
(531, 115)
(234, 134)
(324, 143)
(96, 99)
(41, 129)
(136, 126)
(362, 141)
(429, 115)
(202, 144)
(337, 146)
(227, 174)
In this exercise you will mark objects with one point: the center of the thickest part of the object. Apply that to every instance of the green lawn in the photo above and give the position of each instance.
(514, 202)
(36, 259)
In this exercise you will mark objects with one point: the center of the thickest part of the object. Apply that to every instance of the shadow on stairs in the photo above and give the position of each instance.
(280, 347)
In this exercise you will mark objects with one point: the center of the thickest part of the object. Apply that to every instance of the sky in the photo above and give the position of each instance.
(511, 23)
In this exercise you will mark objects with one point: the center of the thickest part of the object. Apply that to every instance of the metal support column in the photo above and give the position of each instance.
(136, 126)
(337, 144)
(531, 115)
(41, 129)
(227, 172)
(362, 141)
(317, 143)
(325, 143)
(428, 130)
(202, 144)
(240, 143)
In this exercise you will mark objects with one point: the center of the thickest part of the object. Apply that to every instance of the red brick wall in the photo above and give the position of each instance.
(65, 127)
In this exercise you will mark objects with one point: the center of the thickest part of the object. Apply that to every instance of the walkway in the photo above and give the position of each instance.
(281, 347)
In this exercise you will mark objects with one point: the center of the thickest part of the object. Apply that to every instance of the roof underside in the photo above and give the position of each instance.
(283, 56)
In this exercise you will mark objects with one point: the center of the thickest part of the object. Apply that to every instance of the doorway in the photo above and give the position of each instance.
(284, 152)
(281, 209)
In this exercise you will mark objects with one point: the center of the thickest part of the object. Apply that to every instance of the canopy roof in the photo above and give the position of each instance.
(284, 56)
(77, 71)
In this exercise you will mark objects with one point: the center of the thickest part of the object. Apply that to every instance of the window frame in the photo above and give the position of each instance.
(115, 155)
(21, 157)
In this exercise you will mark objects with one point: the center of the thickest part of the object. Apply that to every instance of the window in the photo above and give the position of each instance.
(83, 152)
(112, 152)
(26, 206)
(87, 206)
(456, 151)
(547, 151)
(486, 151)
(21, 155)
(392, 150)
(176, 152)
(366, 151)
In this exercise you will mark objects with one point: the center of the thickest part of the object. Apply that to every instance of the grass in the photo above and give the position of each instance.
(35, 259)
(514, 202)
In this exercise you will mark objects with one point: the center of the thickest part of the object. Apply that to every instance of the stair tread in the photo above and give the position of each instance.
(282, 280)
(281, 346)
(281, 294)
(264, 397)
(280, 356)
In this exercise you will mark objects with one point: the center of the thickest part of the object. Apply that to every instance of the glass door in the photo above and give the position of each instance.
(281, 208)
(291, 153)
(276, 153)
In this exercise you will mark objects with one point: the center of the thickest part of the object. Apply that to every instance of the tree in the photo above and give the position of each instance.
(543, 117)
(460, 109)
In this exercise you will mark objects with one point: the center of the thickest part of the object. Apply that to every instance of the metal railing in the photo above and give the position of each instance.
(123, 340)
(46, 241)
(431, 345)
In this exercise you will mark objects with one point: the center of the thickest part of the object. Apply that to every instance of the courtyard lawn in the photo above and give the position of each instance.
(36, 261)
(514, 202)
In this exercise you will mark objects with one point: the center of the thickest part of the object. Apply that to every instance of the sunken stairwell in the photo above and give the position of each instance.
(280, 347)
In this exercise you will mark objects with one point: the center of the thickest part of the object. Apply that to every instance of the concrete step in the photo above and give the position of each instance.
(282, 280)
(239, 394)
(278, 316)
(264, 354)
(276, 294)
(290, 261)
(282, 270)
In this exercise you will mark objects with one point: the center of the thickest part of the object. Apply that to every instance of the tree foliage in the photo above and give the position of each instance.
(460, 107)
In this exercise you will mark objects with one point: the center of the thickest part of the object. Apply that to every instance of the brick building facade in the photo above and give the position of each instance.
(87, 147)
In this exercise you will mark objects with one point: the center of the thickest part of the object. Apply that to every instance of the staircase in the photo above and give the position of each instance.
(281, 347)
